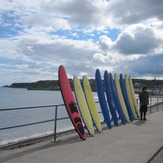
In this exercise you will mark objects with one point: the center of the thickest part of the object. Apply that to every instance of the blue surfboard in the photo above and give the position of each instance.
(124, 92)
(110, 98)
(101, 97)
(116, 100)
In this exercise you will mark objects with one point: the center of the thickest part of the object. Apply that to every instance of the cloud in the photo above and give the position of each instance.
(152, 65)
(100, 57)
(105, 43)
(45, 55)
(133, 11)
(59, 50)
(137, 39)
(140, 67)
(68, 14)
(42, 20)
(83, 12)
(9, 48)
(80, 69)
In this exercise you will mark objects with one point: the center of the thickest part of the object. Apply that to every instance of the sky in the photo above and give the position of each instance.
(121, 36)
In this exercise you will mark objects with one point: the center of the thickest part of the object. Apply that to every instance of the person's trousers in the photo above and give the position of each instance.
(143, 109)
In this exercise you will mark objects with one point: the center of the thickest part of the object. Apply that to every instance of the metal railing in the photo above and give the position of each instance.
(152, 105)
(39, 122)
(56, 107)
(155, 102)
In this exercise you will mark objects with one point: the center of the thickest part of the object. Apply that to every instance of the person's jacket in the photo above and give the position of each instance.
(144, 98)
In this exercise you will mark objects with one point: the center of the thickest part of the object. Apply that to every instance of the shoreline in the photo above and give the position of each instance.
(32, 141)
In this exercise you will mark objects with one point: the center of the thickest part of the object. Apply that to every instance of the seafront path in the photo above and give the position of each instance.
(135, 142)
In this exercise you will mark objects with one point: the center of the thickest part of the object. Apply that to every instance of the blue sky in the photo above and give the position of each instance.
(121, 36)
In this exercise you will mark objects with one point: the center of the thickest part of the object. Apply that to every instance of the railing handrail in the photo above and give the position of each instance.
(158, 96)
(31, 107)
(47, 106)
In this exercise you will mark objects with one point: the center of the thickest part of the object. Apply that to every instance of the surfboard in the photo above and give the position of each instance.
(121, 99)
(70, 102)
(124, 92)
(91, 103)
(83, 107)
(102, 99)
(116, 100)
(133, 97)
(110, 99)
(130, 97)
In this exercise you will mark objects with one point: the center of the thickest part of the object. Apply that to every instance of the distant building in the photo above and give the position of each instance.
(136, 83)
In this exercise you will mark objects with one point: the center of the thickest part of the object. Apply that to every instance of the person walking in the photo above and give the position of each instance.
(144, 102)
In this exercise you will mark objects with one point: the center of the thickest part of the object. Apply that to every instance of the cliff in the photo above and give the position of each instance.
(45, 85)
(19, 85)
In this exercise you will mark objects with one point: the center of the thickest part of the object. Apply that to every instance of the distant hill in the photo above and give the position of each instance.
(44, 85)
(54, 84)
(138, 83)
(20, 85)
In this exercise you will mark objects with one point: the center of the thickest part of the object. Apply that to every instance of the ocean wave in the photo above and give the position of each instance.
(32, 136)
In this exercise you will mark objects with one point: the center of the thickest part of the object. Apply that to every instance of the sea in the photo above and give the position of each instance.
(15, 98)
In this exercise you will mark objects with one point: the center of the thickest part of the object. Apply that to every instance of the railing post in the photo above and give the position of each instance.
(150, 103)
(55, 124)
(157, 103)
(150, 100)
(150, 109)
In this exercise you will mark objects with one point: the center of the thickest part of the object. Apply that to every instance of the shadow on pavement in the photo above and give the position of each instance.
(139, 123)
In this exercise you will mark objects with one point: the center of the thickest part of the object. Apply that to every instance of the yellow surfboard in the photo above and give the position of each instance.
(130, 96)
(120, 96)
(91, 103)
(133, 96)
(83, 106)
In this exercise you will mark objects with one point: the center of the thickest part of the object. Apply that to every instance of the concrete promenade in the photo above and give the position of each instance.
(135, 142)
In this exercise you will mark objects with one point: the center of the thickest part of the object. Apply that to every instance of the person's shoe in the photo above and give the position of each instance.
(145, 119)
(141, 119)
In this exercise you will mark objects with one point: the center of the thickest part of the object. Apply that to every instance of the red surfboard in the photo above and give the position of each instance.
(70, 102)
